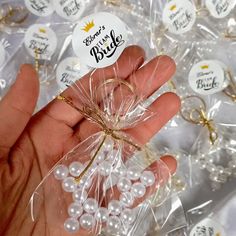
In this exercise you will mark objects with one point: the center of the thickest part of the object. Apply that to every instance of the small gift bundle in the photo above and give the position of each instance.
(101, 184)
(108, 181)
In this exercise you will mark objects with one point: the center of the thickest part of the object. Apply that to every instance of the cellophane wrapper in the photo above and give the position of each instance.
(109, 180)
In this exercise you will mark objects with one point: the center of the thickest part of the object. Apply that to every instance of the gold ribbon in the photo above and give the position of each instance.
(205, 122)
(118, 3)
(199, 116)
(113, 2)
(38, 66)
(229, 35)
(94, 114)
(36, 60)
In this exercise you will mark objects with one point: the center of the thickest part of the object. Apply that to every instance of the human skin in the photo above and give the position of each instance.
(30, 144)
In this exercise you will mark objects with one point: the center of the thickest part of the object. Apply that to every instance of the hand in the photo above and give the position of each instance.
(31, 144)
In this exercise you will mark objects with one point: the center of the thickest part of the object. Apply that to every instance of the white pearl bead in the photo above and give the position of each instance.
(80, 195)
(76, 168)
(113, 157)
(128, 216)
(126, 199)
(102, 214)
(202, 164)
(85, 182)
(133, 173)
(100, 157)
(93, 168)
(61, 172)
(220, 169)
(71, 225)
(228, 171)
(124, 184)
(121, 171)
(90, 205)
(210, 167)
(75, 210)
(214, 176)
(147, 178)
(69, 184)
(87, 221)
(138, 190)
(105, 168)
(114, 207)
(108, 145)
(113, 224)
(110, 182)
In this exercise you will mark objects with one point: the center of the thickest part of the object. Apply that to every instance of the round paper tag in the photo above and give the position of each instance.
(39, 7)
(2, 55)
(41, 38)
(99, 39)
(69, 9)
(69, 70)
(220, 8)
(206, 77)
(179, 16)
(208, 227)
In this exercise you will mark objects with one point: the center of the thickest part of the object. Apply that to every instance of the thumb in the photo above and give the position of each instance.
(17, 107)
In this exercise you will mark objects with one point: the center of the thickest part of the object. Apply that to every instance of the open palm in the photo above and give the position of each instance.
(31, 144)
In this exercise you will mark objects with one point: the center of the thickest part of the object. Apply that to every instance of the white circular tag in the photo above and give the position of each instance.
(206, 77)
(220, 8)
(69, 70)
(39, 7)
(69, 9)
(99, 39)
(41, 38)
(2, 55)
(208, 227)
(179, 16)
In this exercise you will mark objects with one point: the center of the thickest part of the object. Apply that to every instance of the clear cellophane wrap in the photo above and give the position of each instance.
(109, 181)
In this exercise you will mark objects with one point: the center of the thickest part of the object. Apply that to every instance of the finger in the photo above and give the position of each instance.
(153, 75)
(165, 107)
(146, 80)
(130, 60)
(17, 107)
(158, 71)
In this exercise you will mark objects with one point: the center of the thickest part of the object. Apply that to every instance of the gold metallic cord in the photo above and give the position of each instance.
(88, 113)
(36, 60)
(201, 119)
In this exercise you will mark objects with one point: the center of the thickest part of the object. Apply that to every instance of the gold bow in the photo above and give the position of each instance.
(199, 116)
(94, 114)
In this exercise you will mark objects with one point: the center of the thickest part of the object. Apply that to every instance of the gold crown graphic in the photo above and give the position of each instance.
(42, 30)
(88, 26)
(173, 8)
(204, 67)
(218, 234)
